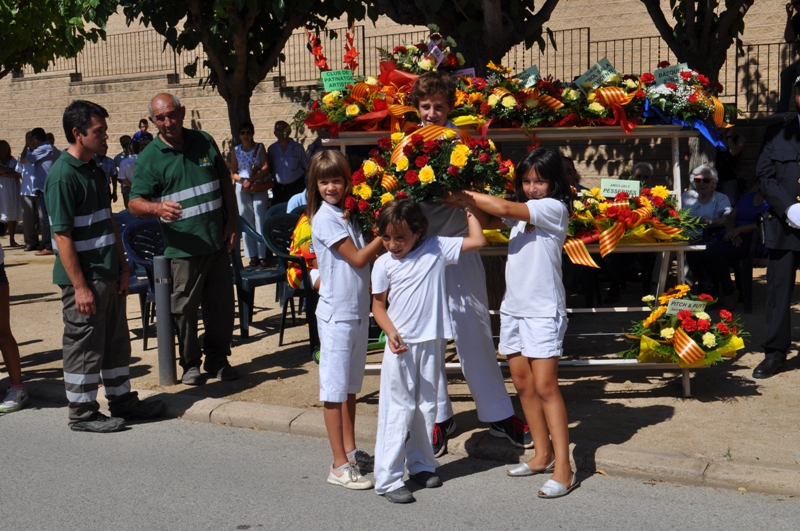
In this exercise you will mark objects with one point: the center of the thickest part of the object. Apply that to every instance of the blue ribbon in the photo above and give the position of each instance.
(654, 116)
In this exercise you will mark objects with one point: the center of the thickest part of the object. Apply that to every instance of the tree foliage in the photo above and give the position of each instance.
(242, 39)
(37, 32)
(485, 29)
(703, 30)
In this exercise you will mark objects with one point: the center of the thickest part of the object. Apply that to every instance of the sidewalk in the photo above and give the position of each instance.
(734, 432)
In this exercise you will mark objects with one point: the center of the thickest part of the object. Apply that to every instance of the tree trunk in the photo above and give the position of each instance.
(238, 110)
(701, 151)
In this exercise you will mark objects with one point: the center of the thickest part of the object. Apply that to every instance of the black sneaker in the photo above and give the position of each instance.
(514, 430)
(426, 479)
(143, 409)
(363, 461)
(226, 372)
(99, 423)
(401, 495)
(441, 431)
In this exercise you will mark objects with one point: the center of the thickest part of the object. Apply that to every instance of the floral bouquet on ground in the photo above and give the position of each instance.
(425, 165)
(650, 217)
(689, 337)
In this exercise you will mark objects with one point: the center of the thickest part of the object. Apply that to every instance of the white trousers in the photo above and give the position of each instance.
(253, 208)
(465, 283)
(407, 412)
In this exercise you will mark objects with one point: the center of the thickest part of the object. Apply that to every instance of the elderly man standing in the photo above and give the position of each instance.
(182, 179)
(288, 163)
(92, 272)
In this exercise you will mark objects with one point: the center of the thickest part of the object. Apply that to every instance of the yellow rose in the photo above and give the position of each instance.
(385, 198)
(370, 168)
(493, 100)
(531, 104)
(426, 175)
(402, 163)
(450, 134)
(614, 78)
(703, 315)
(660, 191)
(461, 148)
(709, 340)
(371, 80)
(509, 102)
(667, 333)
(412, 49)
(631, 84)
(352, 110)
(425, 64)
(648, 299)
(397, 137)
(591, 96)
(577, 206)
(330, 98)
(456, 159)
(596, 107)
(363, 190)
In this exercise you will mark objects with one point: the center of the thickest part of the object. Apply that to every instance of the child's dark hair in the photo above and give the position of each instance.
(327, 164)
(401, 211)
(548, 166)
(432, 83)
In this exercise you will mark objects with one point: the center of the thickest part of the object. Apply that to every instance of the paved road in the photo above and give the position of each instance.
(178, 475)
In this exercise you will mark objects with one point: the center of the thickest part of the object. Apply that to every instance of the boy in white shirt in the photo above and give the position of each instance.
(417, 327)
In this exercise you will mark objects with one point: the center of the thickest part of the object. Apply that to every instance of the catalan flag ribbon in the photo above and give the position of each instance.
(719, 113)
(428, 132)
(612, 236)
(578, 253)
(687, 349)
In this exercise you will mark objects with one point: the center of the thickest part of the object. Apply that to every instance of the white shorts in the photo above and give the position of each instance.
(533, 337)
(343, 356)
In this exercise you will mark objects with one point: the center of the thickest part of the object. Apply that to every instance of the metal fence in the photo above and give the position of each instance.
(751, 78)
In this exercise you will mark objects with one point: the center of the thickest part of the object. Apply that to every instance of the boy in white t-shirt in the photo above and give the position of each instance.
(417, 327)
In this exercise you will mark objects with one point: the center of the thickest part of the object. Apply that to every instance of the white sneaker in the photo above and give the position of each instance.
(351, 478)
(15, 400)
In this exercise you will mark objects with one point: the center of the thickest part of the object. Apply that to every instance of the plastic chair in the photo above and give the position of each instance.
(142, 241)
(278, 233)
(247, 281)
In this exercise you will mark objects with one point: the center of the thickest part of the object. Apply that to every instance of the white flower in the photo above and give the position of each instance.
(425, 64)
(667, 333)
(371, 80)
(631, 83)
(703, 315)
(648, 298)
(451, 42)
(709, 340)
(412, 49)
(433, 27)
(577, 206)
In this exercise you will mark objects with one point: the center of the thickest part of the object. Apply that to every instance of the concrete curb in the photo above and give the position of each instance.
(588, 457)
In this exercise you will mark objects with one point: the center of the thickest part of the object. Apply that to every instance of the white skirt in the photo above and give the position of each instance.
(10, 204)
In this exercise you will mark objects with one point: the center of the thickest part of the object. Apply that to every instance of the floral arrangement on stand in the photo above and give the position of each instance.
(418, 59)
(424, 165)
(689, 337)
(618, 100)
(651, 216)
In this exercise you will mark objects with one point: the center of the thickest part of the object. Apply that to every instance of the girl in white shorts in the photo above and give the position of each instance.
(533, 315)
(342, 311)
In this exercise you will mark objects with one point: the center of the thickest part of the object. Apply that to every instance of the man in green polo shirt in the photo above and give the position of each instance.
(93, 274)
(182, 179)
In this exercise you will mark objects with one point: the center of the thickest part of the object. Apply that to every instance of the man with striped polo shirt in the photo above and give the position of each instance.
(93, 274)
(182, 179)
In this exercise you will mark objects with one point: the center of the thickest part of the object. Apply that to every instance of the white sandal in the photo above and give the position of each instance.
(554, 489)
(523, 469)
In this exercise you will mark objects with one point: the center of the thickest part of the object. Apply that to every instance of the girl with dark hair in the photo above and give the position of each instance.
(342, 312)
(533, 315)
(417, 326)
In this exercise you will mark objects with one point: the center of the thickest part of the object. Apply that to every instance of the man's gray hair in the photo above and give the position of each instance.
(644, 168)
(707, 170)
(175, 103)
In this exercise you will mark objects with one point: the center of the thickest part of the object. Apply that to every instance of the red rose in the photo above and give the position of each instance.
(612, 212)
(380, 161)
(658, 202)
(726, 316)
(408, 150)
(503, 170)
(376, 215)
(472, 143)
(363, 205)
(684, 314)
(315, 105)
(689, 325)
(686, 76)
(640, 94)
(703, 325)
(705, 297)
(647, 77)
(411, 177)
(401, 195)
(702, 79)
(374, 152)
(429, 146)
(663, 64)
(723, 329)
(484, 143)
(417, 139)
(358, 177)
(692, 98)
(453, 171)
(484, 158)
(625, 215)
(350, 203)
(621, 196)
(421, 161)
(400, 49)
(671, 86)
(385, 143)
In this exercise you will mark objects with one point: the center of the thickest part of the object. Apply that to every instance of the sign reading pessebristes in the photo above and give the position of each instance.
(611, 187)
(337, 79)
(676, 305)
(594, 77)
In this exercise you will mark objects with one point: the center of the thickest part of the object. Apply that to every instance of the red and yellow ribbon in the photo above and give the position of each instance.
(687, 349)
(578, 253)
(428, 132)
